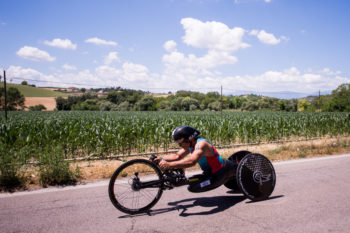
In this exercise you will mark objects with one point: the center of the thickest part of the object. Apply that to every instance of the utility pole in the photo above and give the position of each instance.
(5, 95)
(221, 101)
(319, 101)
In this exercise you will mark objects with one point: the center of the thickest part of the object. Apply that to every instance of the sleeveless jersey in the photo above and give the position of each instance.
(210, 164)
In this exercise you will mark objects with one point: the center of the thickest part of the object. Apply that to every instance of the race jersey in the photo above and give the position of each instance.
(212, 164)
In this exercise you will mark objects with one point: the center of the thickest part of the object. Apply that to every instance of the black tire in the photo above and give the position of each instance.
(128, 197)
(236, 158)
(256, 177)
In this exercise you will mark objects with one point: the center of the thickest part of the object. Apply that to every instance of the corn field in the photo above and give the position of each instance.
(25, 134)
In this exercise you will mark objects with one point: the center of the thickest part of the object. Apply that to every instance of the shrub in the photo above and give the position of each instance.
(10, 175)
(54, 170)
(38, 107)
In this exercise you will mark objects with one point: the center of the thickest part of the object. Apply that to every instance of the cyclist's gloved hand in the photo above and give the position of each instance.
(164, 165)
(157, 160)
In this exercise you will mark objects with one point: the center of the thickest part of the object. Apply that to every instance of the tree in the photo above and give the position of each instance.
(38, 107)
(62, 104)
(164, 105)
(187, 102)
(24, 83)
(147, 103)
(282, 105)
(214, 106)
(303, 105)
(15, 100)
(341, 98)
(176, 104)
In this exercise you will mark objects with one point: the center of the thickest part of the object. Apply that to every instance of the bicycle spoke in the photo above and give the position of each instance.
(134, 186)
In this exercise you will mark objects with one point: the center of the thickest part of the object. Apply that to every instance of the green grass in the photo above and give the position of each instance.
(29, 91)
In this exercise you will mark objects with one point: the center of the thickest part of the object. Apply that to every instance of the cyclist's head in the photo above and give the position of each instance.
(185, 132)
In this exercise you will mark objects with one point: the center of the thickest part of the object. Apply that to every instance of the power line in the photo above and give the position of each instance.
(83, 84)
(26, 79)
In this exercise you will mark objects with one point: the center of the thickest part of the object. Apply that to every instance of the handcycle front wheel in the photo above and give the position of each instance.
(136, 186)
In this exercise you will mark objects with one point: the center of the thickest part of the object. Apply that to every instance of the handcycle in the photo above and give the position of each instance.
(137, 185)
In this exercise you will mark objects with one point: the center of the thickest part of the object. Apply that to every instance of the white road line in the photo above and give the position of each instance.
(189, 173)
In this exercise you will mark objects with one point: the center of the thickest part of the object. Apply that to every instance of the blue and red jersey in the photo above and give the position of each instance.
(210, 164)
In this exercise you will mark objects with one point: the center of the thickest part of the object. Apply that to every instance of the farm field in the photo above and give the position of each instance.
(29, 91)
(48, 139)
(110, 133)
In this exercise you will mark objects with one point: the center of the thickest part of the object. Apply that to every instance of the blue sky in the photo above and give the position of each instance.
(168, 45)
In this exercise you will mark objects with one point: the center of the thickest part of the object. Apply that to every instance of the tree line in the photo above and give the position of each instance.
(135, 100)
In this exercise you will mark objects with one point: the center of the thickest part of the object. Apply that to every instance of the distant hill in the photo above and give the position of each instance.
(29, 91)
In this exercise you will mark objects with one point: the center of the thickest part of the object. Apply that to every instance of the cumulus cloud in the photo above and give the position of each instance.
(170, 46)
(69, 67)
(61, 43)
(111, 57)
(218, 39)
(28, 73)
(212, 35)
(129, 75)
(290, 79)
(328, 71)
(267, 38)
(34, 54)
(98, 41)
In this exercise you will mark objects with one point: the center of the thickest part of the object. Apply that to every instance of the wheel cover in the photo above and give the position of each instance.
(256, 177)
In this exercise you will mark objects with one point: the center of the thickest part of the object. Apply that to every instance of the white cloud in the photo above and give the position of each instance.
(61, 43)
(135, 72)
(291, 79)
(69, 67)
(170, 46)
(268, 38)
(28, 73)
(98, 41)
(287, 80)
(34, 54)
(267, 1)
(130, 75)
(217, 38)
(111, 57)
(212, 35)
(328, 71)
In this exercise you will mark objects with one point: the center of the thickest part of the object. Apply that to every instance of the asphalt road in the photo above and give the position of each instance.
(311, 195)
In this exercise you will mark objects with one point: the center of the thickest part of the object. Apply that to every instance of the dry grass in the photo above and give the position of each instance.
(103, 169)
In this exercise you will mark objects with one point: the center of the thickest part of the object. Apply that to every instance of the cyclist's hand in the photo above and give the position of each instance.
(164, 165)
(157, 160)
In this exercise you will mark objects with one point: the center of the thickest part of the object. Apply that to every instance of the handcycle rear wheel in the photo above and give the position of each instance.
(236, 158)
(256, 177)
(136, 186)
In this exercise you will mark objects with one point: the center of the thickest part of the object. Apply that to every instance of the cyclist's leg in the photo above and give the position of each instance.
(205, 182)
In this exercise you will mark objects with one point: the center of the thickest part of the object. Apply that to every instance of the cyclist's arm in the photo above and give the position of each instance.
(178, 156)
(190, 160)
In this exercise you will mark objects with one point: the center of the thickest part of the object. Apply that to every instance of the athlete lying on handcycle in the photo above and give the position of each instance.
(137, 185)
(216, 170)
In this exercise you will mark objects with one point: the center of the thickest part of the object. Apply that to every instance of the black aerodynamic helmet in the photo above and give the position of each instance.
(185, 132)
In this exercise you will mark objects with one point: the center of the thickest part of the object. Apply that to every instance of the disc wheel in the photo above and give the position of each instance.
(136, 186)
(256, 177)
